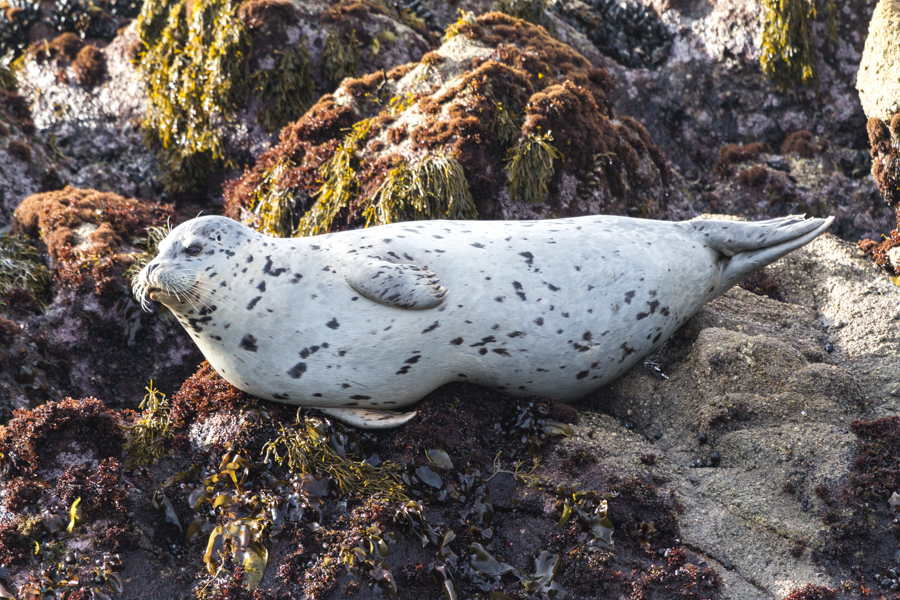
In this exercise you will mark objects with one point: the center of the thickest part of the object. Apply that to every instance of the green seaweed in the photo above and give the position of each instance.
(196, 71)
(21, 267)
(288, 90)
(788, 55)
(435, 187)
(340, 57)
(272, 203)
(339, 184)
(466, 18)
(530, 167)
(150, 437)
(313, 447)
(505, 123)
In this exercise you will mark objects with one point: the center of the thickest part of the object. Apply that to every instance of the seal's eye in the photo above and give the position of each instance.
(193, 250)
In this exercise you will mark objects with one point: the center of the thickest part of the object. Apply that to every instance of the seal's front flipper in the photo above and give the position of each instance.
(365, 418)
(399, 285)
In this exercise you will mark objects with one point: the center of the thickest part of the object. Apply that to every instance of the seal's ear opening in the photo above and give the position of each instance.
(218, 237)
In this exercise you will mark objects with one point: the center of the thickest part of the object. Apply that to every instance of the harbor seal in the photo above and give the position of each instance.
(361, 323)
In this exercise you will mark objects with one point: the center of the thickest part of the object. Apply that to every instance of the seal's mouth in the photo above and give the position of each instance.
(157, 294)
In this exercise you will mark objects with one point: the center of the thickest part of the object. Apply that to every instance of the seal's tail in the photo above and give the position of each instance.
(749, 246)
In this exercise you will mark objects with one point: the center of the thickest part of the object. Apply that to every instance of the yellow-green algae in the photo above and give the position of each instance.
(306, 448)
(339, 183)
(505, 123)
(288, 90)
(150, 437)
(195, 64)
(21, 266)
(273, 203)
(530, 166)
(435, 187)
(340, 57)
(788, 56)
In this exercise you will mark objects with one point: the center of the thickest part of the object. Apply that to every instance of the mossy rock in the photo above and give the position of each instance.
(500, 98)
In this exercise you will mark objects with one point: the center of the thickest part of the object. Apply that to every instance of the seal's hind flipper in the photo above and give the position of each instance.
(393, 284)
(753, 245)
(365, 418)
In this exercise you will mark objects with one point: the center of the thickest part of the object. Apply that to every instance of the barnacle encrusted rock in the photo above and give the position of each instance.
(497, 89)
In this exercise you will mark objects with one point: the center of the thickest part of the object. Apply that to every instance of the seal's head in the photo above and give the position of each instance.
(179, 275)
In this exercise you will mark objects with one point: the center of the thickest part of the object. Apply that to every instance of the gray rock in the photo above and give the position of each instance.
(879, 72)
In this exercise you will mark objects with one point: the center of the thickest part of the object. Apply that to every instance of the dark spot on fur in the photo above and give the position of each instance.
(500, 351)
(529, 257)
(297, 370)
(333, 323)
(582, 374)
(516, 334)
(456, 341)
(253, 302)
(629, 296)
(539, 321)
(248, 343)
(431, 327)
(360, 397)
(482, 351)
(268, 270)
(262, 286)
(477, 245)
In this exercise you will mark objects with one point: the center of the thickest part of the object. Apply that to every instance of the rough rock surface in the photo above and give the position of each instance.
(879, 71)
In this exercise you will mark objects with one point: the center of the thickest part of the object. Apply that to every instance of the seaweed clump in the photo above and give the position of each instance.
(196, 69)
(149, 437)
(87, 234)
(884, 139)
(340, 57)
(530, 166)
(339, 183)
(434, 187)
(319, 448)
(89, 66)
(32, 439)
(21, 266)
(787, 55)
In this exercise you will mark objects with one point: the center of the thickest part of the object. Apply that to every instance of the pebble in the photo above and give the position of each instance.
(629, 425)
(702, 438)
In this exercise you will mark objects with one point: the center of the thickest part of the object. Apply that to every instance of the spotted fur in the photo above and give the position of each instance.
(357, 322)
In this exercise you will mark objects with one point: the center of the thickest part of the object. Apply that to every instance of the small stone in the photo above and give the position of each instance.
(658, 435)
(829, 348)
(702, 438)
(629, 425)
(715, 459)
